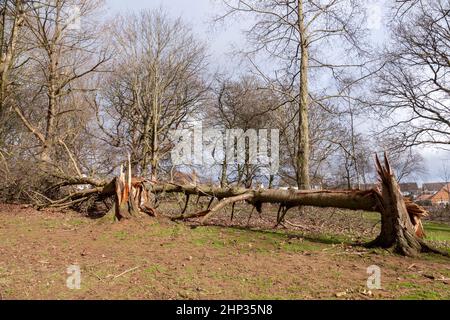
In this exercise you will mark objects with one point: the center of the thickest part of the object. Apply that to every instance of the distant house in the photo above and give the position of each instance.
(410, 189)
(440, 197)
(424, 199)
(431, 188)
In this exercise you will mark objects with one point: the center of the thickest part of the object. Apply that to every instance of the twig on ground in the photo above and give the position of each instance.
(125, 272)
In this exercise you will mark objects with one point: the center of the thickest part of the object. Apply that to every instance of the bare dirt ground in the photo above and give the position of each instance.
(160, 259)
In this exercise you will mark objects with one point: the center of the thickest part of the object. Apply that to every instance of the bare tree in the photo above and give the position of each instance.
(156, 86)
(323, 130)
(11, 20)
(12, 14)
(414, 87)
(352, 159)
(61, 59)
(242, 104)
(297, 34)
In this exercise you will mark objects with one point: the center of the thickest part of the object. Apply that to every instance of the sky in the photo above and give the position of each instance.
(222, 40)
(198, 14)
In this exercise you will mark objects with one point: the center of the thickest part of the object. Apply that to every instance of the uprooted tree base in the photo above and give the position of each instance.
(401, 226)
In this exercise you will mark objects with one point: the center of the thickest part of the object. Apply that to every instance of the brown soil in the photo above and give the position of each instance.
(159, 259)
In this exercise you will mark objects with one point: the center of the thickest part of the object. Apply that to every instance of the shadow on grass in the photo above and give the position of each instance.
(287, 234)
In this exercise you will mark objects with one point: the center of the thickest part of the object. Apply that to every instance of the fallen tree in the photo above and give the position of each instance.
(401, 226)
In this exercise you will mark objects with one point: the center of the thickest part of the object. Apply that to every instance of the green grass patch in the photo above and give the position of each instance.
(437, 231)
(371, 216)
(77, 222)
(156, 268)
(121, 235)
(410, 285)
(167, 231)
(261, 241)
(422, 295)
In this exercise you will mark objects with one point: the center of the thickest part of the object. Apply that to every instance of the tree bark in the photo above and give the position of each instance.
(155, 130)
(399, 229)
(8, 55)
(303, 121)
(223, 177)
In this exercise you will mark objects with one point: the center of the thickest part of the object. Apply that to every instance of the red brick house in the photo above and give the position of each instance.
(438, 198)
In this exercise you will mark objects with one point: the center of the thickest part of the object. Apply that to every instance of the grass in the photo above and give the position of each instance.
(121, 235)
(155, 269)
(265, 241)
(176, 260)
(261, 241)
(422, 295)
(437, 231)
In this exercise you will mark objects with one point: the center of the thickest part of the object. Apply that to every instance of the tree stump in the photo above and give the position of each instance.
(401, 226)
(131, 197)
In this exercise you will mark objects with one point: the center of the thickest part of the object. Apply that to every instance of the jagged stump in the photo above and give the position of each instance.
(131, 197)
(401, 226)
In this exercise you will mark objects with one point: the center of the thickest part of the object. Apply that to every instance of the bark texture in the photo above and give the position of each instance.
(303, 151)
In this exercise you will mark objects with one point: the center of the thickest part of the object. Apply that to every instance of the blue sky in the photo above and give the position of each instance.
(199, 14)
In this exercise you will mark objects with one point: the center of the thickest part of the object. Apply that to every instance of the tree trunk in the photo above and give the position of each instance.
(303, 121)
(8, 56)
(271, 178)
(155, 124)
(223, 178)
(131, 198)
(397, 229)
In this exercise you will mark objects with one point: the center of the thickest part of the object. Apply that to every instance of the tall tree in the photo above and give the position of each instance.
(297, 35)
(64, 53)
(156, 86)
(241, 103)
(12, 14)
(414, 87)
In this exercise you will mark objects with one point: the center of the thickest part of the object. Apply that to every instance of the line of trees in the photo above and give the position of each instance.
(78, 91)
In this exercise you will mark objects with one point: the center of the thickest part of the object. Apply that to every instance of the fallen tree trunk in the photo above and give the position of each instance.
(353, 200)
(401, 226)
